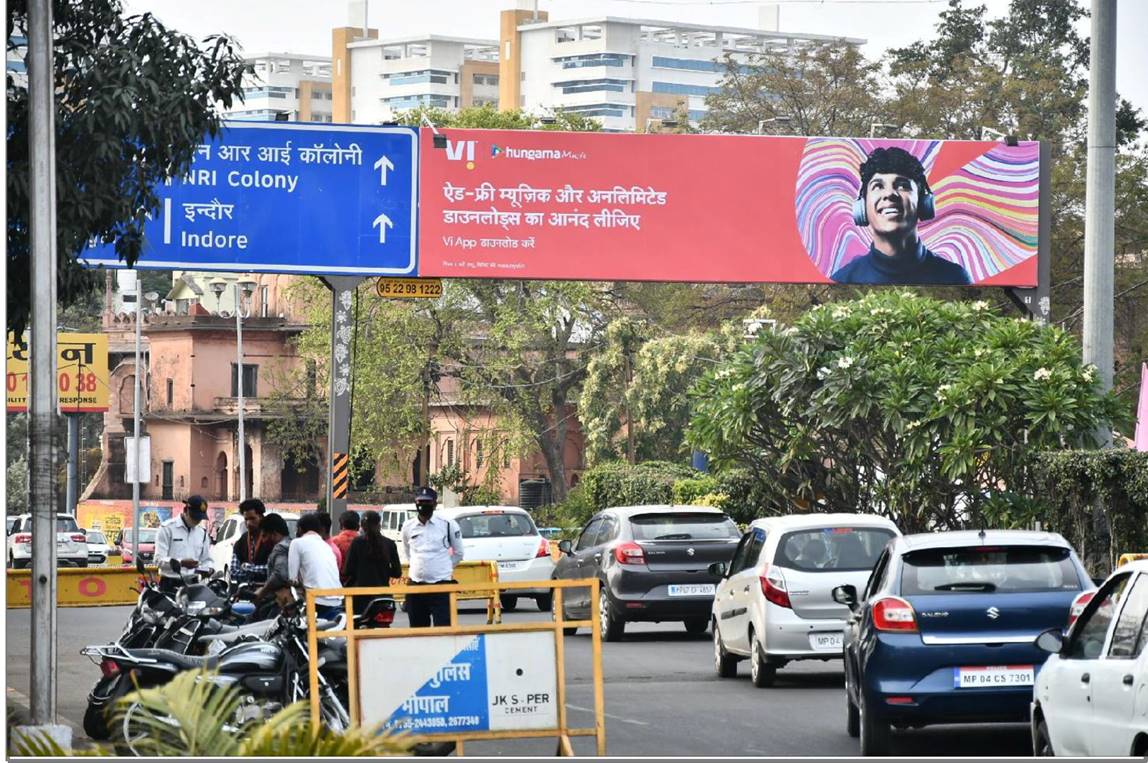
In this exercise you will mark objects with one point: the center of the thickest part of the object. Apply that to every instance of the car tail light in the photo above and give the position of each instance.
(1078, 605)
(22, 538)
(543, 549)
(894, 614)
(80, 538)
(108, 668)
(629, 553)
(773, 586)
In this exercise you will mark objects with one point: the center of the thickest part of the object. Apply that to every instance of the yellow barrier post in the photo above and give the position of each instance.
(556, 625)
(79, 587)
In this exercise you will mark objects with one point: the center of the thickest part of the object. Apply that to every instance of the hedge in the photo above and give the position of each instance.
(1098, 500)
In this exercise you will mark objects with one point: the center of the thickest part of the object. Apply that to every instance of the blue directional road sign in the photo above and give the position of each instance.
(280, 197)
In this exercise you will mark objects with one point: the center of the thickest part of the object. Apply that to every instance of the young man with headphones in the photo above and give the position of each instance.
(893, 198)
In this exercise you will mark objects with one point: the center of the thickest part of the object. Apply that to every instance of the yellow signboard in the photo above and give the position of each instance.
(81, 373)
(426, 288)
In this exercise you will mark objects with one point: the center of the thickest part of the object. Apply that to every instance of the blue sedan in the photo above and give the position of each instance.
(944, 631)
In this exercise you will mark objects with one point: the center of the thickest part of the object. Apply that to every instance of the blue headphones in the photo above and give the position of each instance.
(926, 206)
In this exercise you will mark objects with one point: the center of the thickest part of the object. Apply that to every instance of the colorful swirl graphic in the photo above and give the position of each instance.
(986, 211)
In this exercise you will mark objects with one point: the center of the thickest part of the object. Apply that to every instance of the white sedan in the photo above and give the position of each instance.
(1091, 695)
(507, 535)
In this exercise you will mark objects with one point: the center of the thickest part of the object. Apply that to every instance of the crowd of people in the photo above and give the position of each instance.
(358, 556)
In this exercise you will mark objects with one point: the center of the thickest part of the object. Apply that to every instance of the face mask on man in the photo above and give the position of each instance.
(425, 510)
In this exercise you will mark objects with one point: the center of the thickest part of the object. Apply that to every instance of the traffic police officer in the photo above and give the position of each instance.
(183, 539)
(433, 545)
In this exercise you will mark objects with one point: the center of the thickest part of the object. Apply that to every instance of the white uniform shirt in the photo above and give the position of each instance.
(311, 562)
(174, 540)
(428, 548)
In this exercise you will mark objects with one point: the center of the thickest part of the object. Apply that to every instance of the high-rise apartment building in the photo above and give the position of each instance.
(286, 87)
(624, 72)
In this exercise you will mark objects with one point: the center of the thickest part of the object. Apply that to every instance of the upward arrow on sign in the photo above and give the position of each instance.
(382, 222)
(382, 165)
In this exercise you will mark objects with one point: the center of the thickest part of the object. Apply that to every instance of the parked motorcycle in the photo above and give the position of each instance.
(200, 617)
(270, 674)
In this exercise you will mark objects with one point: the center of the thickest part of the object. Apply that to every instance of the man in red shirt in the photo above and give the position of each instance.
(349, 522)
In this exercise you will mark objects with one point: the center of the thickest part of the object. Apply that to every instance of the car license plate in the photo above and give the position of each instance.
(993, 676)
(828, 642)
(508, 565)
(692, 589)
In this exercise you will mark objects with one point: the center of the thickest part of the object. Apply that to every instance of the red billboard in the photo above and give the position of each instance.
(727, 208)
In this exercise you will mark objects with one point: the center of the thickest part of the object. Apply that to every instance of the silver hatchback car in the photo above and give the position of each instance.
(774, 603)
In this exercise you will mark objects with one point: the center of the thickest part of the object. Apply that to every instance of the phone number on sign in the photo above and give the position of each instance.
(420, 724)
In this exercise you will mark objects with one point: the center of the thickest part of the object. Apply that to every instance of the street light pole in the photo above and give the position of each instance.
(43, 383)
(1099, 197)
(239, 390)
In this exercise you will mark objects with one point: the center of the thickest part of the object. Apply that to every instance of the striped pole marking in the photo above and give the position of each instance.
(340, 475)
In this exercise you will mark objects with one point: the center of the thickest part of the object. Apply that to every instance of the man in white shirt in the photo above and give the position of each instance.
(311, 563)
(183, 539)
(434, 546)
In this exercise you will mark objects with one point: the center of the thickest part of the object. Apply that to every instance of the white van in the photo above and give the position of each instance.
(230, 530)
(392, 516)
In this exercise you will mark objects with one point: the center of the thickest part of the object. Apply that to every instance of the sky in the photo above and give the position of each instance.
(304, 26)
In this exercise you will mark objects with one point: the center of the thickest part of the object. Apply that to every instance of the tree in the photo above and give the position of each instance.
(647, 392)
(133, 100)
(824, 89)
(925, 411)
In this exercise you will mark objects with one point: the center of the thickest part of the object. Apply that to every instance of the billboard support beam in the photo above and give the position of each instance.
(1037, 302)
(339, 421)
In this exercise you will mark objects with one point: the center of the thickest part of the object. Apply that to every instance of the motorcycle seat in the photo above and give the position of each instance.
(182, 661)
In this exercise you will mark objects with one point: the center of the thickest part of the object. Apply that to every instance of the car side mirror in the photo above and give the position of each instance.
(139, 565)
(1051, 641)
(717, 569)
(566, 547)
(847, 595)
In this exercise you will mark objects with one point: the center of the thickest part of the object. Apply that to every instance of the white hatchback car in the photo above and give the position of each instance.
(507, 535)
(1091, 695)
(775, 604)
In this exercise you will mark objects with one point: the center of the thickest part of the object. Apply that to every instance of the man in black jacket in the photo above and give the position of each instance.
(250, 552)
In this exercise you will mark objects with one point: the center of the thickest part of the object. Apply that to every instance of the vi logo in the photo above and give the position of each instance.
(461, 150)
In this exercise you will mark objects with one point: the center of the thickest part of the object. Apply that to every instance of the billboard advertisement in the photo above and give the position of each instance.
(81, 373)
(727, 208)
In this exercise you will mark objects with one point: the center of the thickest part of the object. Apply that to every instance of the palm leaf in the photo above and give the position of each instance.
(290, 733)
(184, 717)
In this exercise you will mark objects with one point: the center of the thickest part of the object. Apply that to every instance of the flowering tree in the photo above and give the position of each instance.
(925, 411)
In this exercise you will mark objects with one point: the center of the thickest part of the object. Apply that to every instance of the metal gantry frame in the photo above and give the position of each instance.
(556, 624)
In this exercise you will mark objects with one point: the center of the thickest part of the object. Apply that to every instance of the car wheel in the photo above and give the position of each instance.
(1041, 742)
(873, 731)
(725, 664)
(544, 601)
(612, 626)
(852, 717)
(762, 672)
(696, 626)
(509, 603)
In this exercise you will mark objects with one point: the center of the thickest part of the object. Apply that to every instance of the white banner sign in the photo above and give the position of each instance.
(440, 684)
(144, 473)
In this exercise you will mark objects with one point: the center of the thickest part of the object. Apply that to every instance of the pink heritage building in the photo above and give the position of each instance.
(190, 407)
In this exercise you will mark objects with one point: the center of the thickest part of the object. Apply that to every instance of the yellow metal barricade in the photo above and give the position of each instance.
(79, 587)
(474, 573)
(557, 625)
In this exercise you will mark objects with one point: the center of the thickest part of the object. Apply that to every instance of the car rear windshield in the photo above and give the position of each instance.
(95, 537)
(147, 535)
(986, 569)
(832, 548)
(683, 527)
(498, 525)
(65, 525)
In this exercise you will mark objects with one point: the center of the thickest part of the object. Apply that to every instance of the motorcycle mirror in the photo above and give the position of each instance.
(175, 566)
(140, 566)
